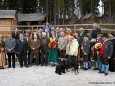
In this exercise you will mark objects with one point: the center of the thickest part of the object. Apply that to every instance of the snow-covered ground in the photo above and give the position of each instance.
(46, 76)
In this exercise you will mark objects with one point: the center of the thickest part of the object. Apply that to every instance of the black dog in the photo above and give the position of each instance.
(61, 67)
(72, 62)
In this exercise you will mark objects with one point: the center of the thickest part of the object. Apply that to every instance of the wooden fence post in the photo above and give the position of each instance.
(74, 27)
(32, 29)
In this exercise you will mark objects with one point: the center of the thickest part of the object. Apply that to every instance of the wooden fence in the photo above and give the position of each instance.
(74, 27)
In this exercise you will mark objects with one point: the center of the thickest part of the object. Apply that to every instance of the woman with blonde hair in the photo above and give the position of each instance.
(2, 53)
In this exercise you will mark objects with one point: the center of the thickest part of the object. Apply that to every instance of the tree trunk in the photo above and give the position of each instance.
(46, 10)
(58, 18)
(113, 11)
(81, 8)
(58, 11)
(55, 12)
(109, 9)
(91, 11)
(5, 4)
(63, 13)
(50, 3)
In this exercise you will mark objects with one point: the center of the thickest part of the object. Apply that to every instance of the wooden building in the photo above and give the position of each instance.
(88, 18)
(8, 18)
(31, 19)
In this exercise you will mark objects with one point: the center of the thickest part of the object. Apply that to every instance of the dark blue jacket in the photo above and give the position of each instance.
(44, 28)
(94, 32)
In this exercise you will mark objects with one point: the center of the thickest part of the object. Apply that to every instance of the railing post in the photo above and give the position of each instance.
(32, 29)
(10, 28)
(74, 27)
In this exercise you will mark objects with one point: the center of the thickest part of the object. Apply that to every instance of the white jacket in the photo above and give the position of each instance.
(72, 48)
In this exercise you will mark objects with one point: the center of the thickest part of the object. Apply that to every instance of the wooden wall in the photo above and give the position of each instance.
(7, 22)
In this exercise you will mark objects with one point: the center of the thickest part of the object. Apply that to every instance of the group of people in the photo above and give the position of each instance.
(49, 44)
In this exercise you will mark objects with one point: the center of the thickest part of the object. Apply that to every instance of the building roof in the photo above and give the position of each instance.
(31, 17)
(7, 13)
(87, 16)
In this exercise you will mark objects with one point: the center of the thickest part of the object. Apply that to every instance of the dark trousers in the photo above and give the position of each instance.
(28, 58)
(80, 51)
(39, 57)
(22, 58)
(44, 58)
(95, 57)
(62, 53)
(11, 55)
(111, 64)
(36, 58)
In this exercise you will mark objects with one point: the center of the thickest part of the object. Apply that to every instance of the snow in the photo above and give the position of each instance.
(46, 76)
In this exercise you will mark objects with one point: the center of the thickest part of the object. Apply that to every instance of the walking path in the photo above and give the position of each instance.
(46, 76)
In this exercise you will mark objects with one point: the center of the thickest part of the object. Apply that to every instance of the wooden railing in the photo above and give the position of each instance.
(74, 27)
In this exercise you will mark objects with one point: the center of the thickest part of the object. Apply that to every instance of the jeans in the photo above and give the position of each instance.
(96, 64)
(89, 63)
(85, 64)
(105, 68)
